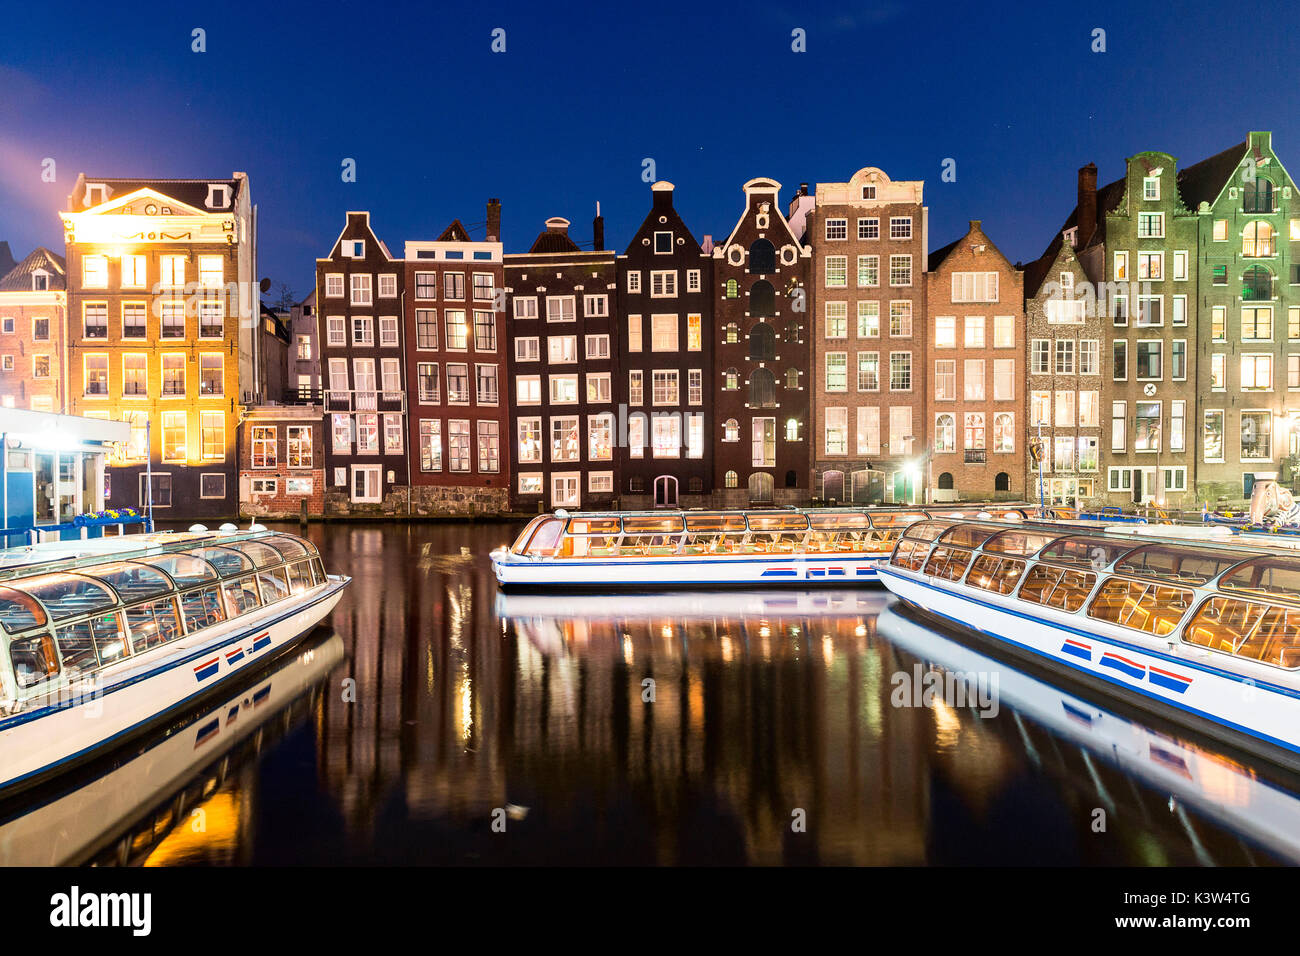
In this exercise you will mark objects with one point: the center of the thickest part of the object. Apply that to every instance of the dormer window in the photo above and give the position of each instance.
(1071, 236)
(868, 192)
(354, 248)
(218, 196)
(40, 281)
(96, 193)
(1151, 187)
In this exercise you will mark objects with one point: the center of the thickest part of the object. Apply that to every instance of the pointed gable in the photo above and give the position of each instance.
(456, 232)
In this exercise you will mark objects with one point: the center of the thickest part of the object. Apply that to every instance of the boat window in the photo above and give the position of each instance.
(242, 596)
(1021, 542)
(94, 642)
(774, 542)
(926, 530)
(262, 555)
(716, 523)
(991, 573)
(185, 569)
(1249, 629)
(18, 611)
(318, 571)
(668, 524)
(153, 623)
(34, 659)
(1151, 608)
(910, 554)
(132, 581)
(275, 586)
(69, 595)
(1064, 588)
(897, 519)
(778, 522)
(545, 540)
(593, 526)
(299, 577)
(226, 562)
(967, 535)
(201, 608)
(1179, 563)
(288, 546)
(1084, 552)
(1277, 577)
(843, 520)
(521, 541)
(948, 563)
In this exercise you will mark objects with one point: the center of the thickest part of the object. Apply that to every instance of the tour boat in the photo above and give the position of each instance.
(1200, 626)
(662, 549)
(106, 638)
(1204, 779)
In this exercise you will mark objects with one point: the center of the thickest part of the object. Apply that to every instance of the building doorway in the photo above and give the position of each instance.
(665, 492)
(833, 486)
(760, 488)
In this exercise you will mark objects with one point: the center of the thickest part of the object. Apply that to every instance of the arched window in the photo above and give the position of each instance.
(1002, 482)
(762, 343)
(730, 380)
(1257, 240)
(731, 480)
(762, 299)
(760, 487)
(733, 289)
(696, 485)
(945, 481)
(1257, 196)
(762, 258)
(792, 429)
(1004, 432)
(732, 333)
(1257, 284)
(791, 479)
(792, 378)
(793, 333)
(762, 388)
(945, 433)
(731, 430)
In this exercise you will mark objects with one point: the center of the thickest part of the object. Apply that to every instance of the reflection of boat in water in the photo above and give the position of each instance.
(658, 549)
(70, 826)
(546, 620)
(1202, 628)
(1214, 784)
(107, 641)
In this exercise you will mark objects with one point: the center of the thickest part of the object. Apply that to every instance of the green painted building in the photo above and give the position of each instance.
(1248, 337)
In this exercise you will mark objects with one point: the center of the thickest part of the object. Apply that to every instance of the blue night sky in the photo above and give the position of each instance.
(438, 123)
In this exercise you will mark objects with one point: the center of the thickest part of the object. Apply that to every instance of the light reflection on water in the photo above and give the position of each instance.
(693, 728)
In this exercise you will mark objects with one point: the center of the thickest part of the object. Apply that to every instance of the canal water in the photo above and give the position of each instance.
(437, 721)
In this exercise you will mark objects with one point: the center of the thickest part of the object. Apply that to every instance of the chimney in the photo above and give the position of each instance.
(663, 195)
(494, 220)
(1087, 208)
(803, 189)
(598, 230)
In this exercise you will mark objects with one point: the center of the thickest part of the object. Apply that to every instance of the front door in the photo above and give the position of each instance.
(665, 492)
(366, 484)
(564, 490)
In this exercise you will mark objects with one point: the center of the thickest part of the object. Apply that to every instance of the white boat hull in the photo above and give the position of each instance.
(1252, 707)
(56, 732)
(767, 570)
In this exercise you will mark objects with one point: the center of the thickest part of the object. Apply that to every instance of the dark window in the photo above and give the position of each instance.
(762, 389)
(1257, 196)
(762, 343)
(762, 257)
(636, 485)
(945, 481)
(791, 479)
(1257, 283)
(696, 485)
(762, 299)
(793, 333)
(1001, 483)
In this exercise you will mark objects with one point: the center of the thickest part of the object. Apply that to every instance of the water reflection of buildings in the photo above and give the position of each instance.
(764, 702)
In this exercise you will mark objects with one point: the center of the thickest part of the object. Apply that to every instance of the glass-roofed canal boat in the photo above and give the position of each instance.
(105, 638)
(1203, 628)
(673, 549)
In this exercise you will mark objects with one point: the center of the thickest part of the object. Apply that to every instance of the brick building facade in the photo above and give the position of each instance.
(33, 331)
